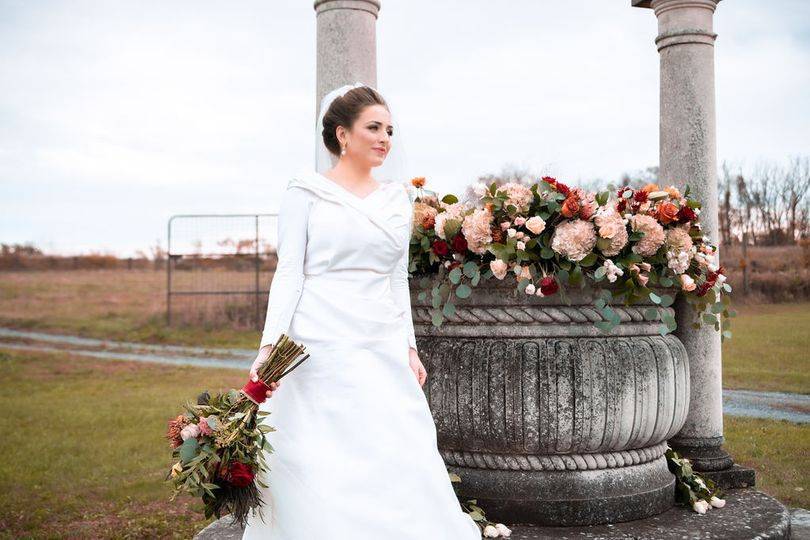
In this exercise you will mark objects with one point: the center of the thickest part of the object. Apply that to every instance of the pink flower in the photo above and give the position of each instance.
(611, 226)
(205, 429)
(498, 268)
(476, 228)
(535, 224)
(525, 273)
(653, 235)
(190, 431)
(574, 239)
(453, 211)
(520, 221)
(643, 279)
(687, 283)
(518, 195)
(505, 225)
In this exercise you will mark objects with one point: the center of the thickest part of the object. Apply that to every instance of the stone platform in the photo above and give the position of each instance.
(748, 514)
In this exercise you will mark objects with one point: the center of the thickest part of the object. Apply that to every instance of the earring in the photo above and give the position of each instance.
(343, 151)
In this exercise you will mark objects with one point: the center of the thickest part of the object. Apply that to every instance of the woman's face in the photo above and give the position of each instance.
(369, 139)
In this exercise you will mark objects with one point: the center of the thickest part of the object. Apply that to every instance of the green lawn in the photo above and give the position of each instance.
(84, 453)
(777, 451)
(769, 349)
(83, 448)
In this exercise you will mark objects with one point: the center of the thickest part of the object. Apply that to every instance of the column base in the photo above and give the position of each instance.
(706, 455)
(735, 477)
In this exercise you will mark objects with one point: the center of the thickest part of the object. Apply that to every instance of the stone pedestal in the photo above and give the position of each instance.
(688, 156)
(346, 43)
(545, 419)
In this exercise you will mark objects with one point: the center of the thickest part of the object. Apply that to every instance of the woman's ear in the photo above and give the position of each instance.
(340, 133)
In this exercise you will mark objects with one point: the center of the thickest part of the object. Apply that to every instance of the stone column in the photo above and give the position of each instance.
(346, 44)
(688, 156)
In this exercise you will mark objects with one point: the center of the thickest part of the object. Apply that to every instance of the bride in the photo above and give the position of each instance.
(354, 454)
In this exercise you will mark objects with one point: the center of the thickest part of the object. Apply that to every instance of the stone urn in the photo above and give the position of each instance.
(546, 419)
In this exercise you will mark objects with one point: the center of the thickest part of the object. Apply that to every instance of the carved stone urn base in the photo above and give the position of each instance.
(545, 419)
(562, 499)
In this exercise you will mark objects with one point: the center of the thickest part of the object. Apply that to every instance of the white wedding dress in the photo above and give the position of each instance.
(354, 451)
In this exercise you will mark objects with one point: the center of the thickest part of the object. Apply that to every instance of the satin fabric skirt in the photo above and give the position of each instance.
(354, 454)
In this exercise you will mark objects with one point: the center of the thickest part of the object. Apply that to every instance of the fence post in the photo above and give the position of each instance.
(744, 263)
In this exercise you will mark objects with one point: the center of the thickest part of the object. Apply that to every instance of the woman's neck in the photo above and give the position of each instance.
(350, 173)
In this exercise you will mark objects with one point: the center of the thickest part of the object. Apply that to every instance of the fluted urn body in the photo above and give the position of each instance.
(546, 419)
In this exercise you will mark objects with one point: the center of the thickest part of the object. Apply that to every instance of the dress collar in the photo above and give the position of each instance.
(329, 190)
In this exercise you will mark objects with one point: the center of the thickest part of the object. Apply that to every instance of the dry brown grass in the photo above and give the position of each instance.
(776, 273)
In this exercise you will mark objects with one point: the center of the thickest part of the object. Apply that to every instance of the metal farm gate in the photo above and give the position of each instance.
(219, 269)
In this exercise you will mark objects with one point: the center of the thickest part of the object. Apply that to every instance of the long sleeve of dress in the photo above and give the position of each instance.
(288, 279)
(400, 289)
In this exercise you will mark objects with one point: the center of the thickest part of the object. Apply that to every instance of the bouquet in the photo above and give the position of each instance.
(217, 443)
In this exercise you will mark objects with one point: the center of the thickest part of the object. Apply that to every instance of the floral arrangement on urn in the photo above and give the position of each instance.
(629, 246)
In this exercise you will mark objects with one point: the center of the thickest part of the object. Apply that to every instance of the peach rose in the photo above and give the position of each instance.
(536, 224)
(667, 212)
(673, 192)
(498, 268)
(687, 283)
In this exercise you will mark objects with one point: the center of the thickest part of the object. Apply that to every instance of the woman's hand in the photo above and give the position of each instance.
(261, 358)
(417, 367)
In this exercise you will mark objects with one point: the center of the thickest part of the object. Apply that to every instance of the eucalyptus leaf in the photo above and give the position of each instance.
(463, 290)
(188, 450)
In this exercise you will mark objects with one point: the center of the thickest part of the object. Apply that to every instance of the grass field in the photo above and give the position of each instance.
(83, 448)
(84, 453)
(768, 350)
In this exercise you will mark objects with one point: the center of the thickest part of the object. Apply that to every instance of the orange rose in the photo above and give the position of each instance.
(650, 187)
(570, 207)
(418, 182)
(667, 212)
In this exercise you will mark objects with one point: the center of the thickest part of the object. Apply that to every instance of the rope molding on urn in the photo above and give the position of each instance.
(534, 314)
(554, 462)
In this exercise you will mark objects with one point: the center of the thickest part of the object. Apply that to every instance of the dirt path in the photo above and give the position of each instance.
(745, 403)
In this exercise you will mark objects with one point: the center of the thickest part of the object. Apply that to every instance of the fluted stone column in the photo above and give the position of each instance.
(347, 44)
(688, 155)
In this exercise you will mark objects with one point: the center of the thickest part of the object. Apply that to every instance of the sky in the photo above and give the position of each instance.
(116, 115)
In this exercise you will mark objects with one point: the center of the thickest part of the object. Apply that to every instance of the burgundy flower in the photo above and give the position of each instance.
(240, 474)
(686, 214)
(703, 289)
(640, 196)
(440, 247)
(548, 286)
(459, 244)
